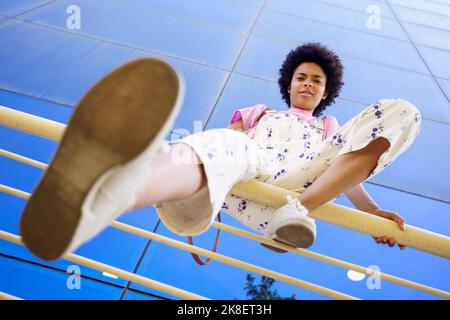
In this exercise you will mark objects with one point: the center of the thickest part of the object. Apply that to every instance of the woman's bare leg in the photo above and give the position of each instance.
(344, 173)
(170, 179)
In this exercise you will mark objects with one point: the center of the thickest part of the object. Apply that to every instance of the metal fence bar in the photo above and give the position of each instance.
(6, 296)
(115, 271)
(273, 196)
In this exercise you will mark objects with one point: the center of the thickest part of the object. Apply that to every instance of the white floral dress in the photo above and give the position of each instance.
(287, 152)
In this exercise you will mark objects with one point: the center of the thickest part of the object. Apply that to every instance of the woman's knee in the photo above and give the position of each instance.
(182, 154)
(404, 108)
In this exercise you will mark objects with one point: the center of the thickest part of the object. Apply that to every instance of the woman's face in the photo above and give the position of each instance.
(307, 87)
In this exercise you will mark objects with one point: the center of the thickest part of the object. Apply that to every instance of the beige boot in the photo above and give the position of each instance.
(291, 225)
(102, 159)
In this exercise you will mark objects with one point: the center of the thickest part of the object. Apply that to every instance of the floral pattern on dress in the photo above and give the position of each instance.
(295, 154)
(314, 156)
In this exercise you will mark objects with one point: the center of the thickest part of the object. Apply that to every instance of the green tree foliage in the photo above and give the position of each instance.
(263, 290)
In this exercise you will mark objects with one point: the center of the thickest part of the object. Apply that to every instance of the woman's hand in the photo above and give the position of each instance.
(394, 217)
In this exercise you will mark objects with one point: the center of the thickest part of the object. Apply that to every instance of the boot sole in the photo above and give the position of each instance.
(134, 100)
(297, 236)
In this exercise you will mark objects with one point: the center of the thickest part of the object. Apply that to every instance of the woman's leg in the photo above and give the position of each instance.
(383, 130)
(171, 180)
(344, 173)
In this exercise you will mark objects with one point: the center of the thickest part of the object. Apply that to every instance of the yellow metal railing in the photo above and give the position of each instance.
(5, 296)
(264, 193)
(252, 236)
(115, 271)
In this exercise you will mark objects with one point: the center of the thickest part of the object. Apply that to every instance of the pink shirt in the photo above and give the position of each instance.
(250, 117)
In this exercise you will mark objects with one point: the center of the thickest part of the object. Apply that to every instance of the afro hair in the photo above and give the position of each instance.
(326, 59)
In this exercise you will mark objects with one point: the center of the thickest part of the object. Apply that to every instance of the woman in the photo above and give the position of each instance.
(111, 161)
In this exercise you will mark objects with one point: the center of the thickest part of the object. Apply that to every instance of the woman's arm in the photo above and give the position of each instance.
(361, 199)
(238, 125)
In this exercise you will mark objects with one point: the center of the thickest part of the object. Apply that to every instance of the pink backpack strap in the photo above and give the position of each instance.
(328, 126)
(325, 122)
